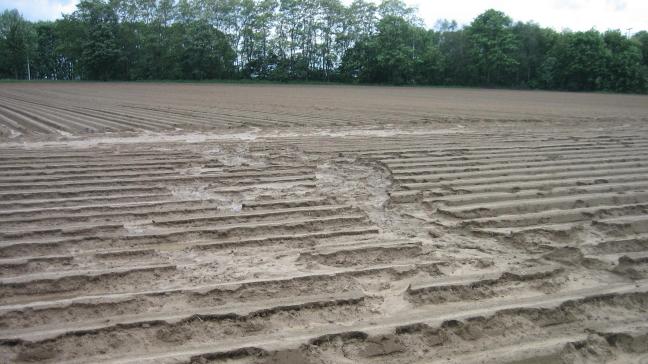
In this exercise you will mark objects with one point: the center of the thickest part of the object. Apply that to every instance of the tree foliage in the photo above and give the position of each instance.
(16, 44)
(494, 47)
(322, 40)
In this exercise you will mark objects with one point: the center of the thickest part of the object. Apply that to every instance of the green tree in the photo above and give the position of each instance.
(430, 65)
(581, 60)
(46, 61)
(457, 66)
(70, 36)
(17, 44)
(204, 51)
(314, 40)
(100, 55)
(494, 47)
(534, 42)
(399, 9)
(641, 39)
(256, 44)
(392, 55)
(624, 70)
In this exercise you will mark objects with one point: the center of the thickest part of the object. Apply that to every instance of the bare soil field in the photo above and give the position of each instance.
(184, 223)
(32, 109)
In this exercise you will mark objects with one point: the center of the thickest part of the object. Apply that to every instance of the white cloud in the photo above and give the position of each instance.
(40, 9)
(558, 14)
(618, 5)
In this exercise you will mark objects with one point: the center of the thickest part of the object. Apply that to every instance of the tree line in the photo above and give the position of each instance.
(314, 40)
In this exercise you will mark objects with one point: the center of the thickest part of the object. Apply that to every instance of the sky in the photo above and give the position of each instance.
(558, 14)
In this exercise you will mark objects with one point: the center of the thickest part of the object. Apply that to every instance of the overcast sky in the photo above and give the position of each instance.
(558, 14)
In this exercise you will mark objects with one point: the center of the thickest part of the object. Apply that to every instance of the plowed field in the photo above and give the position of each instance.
(180, 223)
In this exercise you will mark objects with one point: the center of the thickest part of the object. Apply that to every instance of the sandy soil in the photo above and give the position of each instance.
(68, 109)
(173, 223)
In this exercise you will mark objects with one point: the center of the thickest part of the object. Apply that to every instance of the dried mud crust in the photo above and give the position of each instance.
(484, 244)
